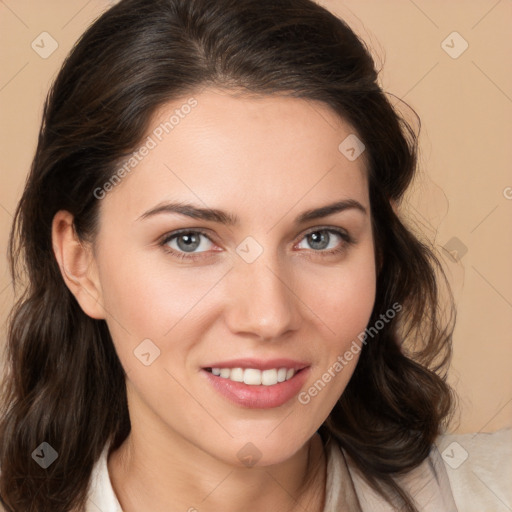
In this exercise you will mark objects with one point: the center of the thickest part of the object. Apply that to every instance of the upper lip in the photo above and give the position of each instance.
(260, 364)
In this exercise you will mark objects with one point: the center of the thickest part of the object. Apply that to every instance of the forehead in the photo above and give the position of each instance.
(259, 154)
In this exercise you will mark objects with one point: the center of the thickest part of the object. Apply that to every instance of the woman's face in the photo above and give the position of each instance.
(256, 289)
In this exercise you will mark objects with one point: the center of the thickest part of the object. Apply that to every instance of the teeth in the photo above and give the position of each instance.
(252, 377)
(255, 377)
(237, 374)
(269, 377)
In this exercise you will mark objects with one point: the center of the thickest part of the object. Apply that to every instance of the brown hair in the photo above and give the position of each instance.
(64, 383)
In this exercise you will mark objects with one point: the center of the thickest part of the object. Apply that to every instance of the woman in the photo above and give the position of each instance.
(224, 310)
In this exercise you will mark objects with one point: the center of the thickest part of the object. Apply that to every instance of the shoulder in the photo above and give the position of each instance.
(100, 495)
(465, 472)
(428, 484)
(479, 467)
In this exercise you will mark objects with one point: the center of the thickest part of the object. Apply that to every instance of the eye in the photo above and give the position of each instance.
(184, 243)
(323, 241)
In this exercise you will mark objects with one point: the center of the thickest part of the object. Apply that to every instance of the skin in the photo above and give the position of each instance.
(267, 160)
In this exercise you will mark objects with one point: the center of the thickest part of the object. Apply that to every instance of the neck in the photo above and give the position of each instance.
(173, 475)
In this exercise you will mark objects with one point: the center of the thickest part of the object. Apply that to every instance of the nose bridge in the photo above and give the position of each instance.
(263, 302)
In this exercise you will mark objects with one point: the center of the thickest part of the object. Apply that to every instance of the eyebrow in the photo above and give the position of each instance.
(222, 217)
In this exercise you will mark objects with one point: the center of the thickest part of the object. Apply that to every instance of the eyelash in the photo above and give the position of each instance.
(348, 240)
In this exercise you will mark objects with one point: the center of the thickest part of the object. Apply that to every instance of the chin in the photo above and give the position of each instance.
(261, 451)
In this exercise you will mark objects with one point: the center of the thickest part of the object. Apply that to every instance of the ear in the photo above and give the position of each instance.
(77, 265)
(394, 205)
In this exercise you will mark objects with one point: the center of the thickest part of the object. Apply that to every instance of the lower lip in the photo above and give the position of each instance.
(258, 397)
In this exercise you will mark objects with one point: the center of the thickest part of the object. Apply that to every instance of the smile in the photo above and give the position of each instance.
(256, 383)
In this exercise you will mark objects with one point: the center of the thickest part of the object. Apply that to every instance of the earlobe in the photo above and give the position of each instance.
(77, 265)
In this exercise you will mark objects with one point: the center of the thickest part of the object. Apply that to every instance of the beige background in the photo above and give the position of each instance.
(462, 201)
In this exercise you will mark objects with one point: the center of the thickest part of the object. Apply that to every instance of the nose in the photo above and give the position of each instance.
(263, 302)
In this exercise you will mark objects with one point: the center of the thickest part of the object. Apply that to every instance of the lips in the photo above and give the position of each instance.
(260, 364)
(255, 383)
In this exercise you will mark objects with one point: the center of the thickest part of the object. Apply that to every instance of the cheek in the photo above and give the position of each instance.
(149, 298)
(344, 303)
(344, 308)
(160, 302)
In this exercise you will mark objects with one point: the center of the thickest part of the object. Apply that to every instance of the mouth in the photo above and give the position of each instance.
(257, 384)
